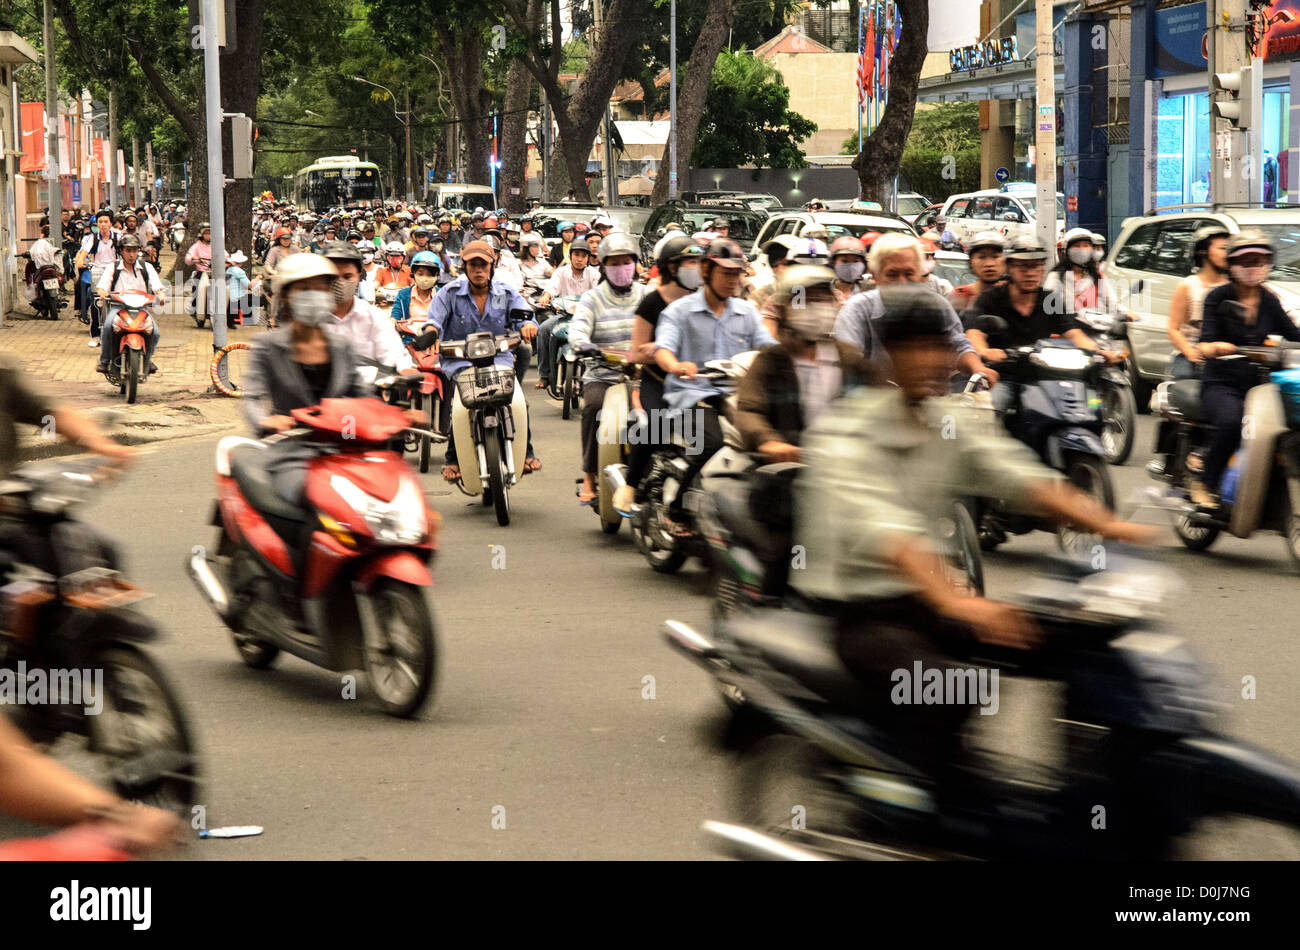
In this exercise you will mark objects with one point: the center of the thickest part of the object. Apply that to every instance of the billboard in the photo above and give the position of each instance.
(1180, 36)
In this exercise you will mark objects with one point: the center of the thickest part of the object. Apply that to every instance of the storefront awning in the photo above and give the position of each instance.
(1005, 81)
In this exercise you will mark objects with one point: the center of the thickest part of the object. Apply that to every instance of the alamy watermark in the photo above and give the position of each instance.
(934, 686)
(56, 687)
(656, 427)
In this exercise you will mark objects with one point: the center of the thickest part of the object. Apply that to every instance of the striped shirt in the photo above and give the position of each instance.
(605, 318)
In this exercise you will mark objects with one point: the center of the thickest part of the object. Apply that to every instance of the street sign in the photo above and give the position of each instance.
(76, 191)
(1002, 174)
(432, 176)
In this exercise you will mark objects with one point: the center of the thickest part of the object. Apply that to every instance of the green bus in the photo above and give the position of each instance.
(338, 181)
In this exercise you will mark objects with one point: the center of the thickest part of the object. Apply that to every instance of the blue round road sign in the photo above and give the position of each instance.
(1002, 175)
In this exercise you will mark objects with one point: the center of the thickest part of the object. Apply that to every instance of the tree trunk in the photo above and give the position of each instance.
(882, 151)
(693, 93)
(514, 127)
(462, 51)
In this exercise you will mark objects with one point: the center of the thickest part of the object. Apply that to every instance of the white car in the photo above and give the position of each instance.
(837, 224)
(1153, 253)
(1011, 213)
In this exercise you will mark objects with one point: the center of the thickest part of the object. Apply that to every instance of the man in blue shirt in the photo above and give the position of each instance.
(475, 303)
(711, 324)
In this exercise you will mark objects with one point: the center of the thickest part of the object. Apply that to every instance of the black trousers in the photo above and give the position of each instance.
(1222, 407)
(652, 402)
(705, 429)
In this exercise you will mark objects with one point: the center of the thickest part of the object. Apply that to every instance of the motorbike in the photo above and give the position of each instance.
(176, 236)
(201, 278)
(1118, 404)
(1261, 488)
(1058, 415)
(488, 419)
(428, 396)
(1138, 731)
(44, 283)
(133, 327)
(668, 467)
(617, 410)
(342, 582)
(565, 380)
(261, 244)
(66, 608)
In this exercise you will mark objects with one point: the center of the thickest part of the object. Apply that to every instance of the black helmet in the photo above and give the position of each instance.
(342, 251)
(911, 310)
(674, 249)
(725, 252)
(580, 244)
(354, 235)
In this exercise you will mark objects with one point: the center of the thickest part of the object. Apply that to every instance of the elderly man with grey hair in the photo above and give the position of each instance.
(897, 259)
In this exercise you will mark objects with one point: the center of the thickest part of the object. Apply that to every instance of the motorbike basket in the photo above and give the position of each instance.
(486, 386)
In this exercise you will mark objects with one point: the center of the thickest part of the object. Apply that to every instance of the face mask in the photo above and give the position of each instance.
(345, 290)
(1098, 255)
(1080, 255)
(395, 263)
(620, 275)
(367, 259)
(1250, 276)
(311, 308)
(688, 277)
(813, 321)
(927, 266)
(425, 281)
(849, 271)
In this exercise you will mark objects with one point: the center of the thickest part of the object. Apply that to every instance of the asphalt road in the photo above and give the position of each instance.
(541, 705)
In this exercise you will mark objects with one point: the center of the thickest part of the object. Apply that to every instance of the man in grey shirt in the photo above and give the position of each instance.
(896, 259)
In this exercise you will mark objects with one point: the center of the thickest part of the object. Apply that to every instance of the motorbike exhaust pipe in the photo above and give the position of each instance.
(737, 841)
(615, 475)
(200, 571)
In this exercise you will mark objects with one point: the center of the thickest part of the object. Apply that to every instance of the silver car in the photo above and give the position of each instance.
(1154, 252)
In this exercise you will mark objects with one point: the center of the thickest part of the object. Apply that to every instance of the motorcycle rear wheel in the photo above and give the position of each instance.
(782, 788)
(1195, 537)
(662, 552)
(403, 616)
(141, 716)
(567, 409)
(1119, 414)
(1090, 475)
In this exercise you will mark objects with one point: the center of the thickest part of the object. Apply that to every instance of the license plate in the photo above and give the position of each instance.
(51, 284)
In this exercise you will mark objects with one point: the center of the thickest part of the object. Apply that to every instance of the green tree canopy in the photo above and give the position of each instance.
(747, 118)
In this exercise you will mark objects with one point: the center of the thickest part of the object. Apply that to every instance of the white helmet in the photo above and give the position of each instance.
(394, 247)
(1076, 234)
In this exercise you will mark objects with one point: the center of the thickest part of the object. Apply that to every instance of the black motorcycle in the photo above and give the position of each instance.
(69, 620)
(816, 780)
(1057, 413)
(1118, 404)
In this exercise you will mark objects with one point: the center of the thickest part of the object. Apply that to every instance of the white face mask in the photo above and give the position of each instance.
(813, 321)
(311, 308)
(1250, 276)
(1080, 255)
(689, 277)
(849, 271)
(927, 266)
(1098, 255)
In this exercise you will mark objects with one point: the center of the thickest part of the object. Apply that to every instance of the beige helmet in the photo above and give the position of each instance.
(298, 267)
(805, 276)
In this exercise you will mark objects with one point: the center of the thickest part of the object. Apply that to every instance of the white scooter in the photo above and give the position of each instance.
(488, 419)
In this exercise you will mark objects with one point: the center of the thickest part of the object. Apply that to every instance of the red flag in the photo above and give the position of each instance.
(867, 59)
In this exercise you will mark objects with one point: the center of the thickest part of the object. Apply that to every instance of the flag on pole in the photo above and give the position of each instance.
(865, 65)
(879, 35)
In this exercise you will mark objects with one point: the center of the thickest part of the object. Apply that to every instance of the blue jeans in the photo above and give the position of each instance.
(106, 341)
(546, 346)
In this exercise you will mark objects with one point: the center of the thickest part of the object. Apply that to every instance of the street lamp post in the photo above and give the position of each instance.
(405, 119)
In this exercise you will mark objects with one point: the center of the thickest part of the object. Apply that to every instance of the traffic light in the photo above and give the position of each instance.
(241, 146)
(1244, 109)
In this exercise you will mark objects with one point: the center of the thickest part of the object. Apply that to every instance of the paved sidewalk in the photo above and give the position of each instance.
(179, 400)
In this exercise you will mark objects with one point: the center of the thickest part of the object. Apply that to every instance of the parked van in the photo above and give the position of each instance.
(462, 197)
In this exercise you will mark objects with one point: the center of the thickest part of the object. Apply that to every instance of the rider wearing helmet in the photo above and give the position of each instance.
(714, 323)
(369, 331)
(419, 241)
(533, 264)
(1242, 312)
(568, 280)
(473, 303)
(560, 252)
(988, 263)
(450, 237)
(392, 275)
(1210, 260)
(414, 301)
(788, 386)
(526, 223)
(1075, 284)
(777, 252)
(604, 319)
(849, 261)
(129, 273)
(678, 263)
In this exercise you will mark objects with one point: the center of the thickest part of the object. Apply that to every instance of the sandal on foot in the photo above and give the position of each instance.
(451, 473)
(532, 464)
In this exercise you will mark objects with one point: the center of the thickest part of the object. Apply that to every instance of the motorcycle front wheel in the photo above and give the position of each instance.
(1119, 415)
(498, 486)
(402, 671)
(132, 370)
(1089, 474)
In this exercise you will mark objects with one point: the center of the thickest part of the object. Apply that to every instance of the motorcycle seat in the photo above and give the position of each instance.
(801, 645)
(731, 499)
(1185, 397)
(248, 468)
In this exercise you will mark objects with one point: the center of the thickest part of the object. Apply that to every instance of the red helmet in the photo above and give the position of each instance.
(489, 222)
(928, 246)
(869, 239)
(282, 232)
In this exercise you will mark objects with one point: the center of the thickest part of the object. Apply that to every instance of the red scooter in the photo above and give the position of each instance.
(427, 400)
(132, 328)
(342, 582)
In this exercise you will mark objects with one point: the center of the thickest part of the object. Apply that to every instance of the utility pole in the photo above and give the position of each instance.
(216, 177)
(410, 191)
(1236, 100)
(546, 149)
(1045, 123)
(112, 150)
(148, 158)
(135, 172)
(52, 133)
(672, 101)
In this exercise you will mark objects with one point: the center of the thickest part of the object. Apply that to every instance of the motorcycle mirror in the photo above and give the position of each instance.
(426, 339)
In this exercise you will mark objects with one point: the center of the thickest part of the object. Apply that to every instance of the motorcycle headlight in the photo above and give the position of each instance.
(1061, 358)
(400, 521)
(479, 349)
